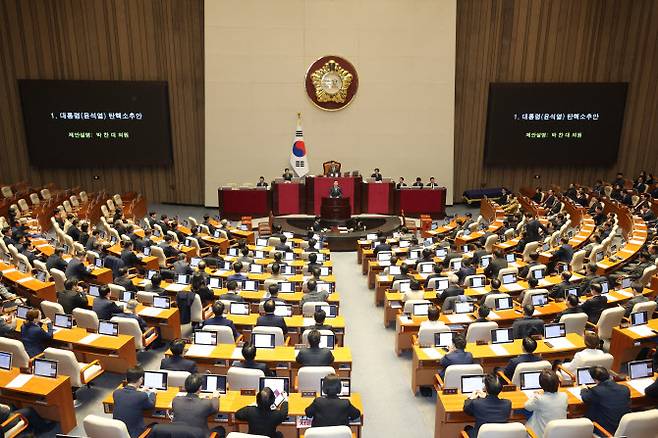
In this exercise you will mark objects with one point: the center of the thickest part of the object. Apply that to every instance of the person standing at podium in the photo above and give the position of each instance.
(336, 191)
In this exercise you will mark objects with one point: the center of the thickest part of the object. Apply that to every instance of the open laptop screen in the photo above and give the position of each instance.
(530, 380)
(263, 340)
(214, 382)
(583, 377)
(63, 321)
(280, 386)
(5, 360)
(640, 369)
(556, 330)
(502, 336)
(155, 380)
(443, 339)
(503, 303)
(202, 337)
(638, 318)
(45, 368)
(472, 383)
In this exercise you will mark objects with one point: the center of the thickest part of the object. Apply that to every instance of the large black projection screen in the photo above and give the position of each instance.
(554, 123)
(96, 123)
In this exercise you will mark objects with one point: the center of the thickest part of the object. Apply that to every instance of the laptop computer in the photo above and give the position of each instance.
(63, 321)
(539, 300)
(233, 252)
(94, 290)
(256, 269)
(155, 380)
(284, 310)
(183, 279)
(639, 369)
(455, 264)
(420, 309)
(108, 328)
(625, 282)
(238, 308)
(345, 387)
(502, 336)
(325, 270)
(280, 386)
(322, 286)
(327, 341)
(583, 377)
(202, 337)
(194, 261)
(477, 281)
(572, 291)
(45, 368)
(503, 303)
(441, 252)
(331, 310)
(441, 284)
(443, 339)
(215, 282)
(162, 302)
(509, 278)
(21, 311)
(471, 383)
(538, 274)
(510, 257)
(286, 287)
(556, 330)
(639, 318)
(250, 285)
(263, 340)
(530, 380)
(404, 286)
(5, 360)
(126, 296)
(427, 268)
(213, 383)
(394, 270)
(258, 254)
(261, 242)
(384, 256)
(289, 256)
(464, 307)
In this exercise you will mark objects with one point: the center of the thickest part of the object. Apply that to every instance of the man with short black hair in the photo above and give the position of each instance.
(607, 401)
(573, 306)
(156, 280)
(249, 356)
(456, 354)
(123, 280)
(270, 319)
(220, 319)
(487, 407)
(55, 260)
(72, 297)
(193, 411)
(330, 410)
(129, 258)
(595, 305)
(104, 307)
(314, 355)
(319, 317)
(313, 295)
(528, 325)
(382, 246)
(232, 292)
(529, 346)
(214, 260)
(238, 275)
(131, 401)
(262, 419)
(176, 362)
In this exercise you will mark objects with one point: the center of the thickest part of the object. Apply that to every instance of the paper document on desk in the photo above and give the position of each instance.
(432, 353)
(19, 381)
(642, 330)
(150, 311)
(499, 350)
(89, 338)
(200, 350)
(7, 271)
(404, 319)
(636, 242)
(23, 280)
(493, 315)
(175, 287)
(641, 384)
(560, 343)
(459, 318)
(576, 391)
(625, 293)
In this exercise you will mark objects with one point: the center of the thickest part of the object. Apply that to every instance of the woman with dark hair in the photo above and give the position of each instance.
(548, 405)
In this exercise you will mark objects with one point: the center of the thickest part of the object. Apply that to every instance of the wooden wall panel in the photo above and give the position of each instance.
(554, 41)
(107, 40)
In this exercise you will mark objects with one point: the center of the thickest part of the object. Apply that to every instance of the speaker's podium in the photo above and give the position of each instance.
(335, 209)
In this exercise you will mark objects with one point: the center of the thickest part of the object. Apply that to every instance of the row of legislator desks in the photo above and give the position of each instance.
(304, 195)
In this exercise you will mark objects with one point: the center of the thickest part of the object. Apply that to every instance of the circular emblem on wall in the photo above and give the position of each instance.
(331, 83)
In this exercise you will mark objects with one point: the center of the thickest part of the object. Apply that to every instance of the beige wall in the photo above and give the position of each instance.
(256, 55)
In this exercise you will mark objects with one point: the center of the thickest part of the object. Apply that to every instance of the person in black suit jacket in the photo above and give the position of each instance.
(319, 316)
(559, 291)
(72, 297)
(261, 182)
(404, 273)
(532, 228)
(130, 259)
(456, 354)
(92, 240)
(75, 269)
(607, 401)
(594, 306)
(156, 280)
(167, 248)
(287, 174)
(214, 260)
(56, 261)
(262, 419)
(194, 411)
(335, 191)
(565, 252)
(400, 183)
(142, 242)
(270, 319)
(487, 407)
(418, 182)
(282, 246)
(497, 263)
(527, 325)
(529, 347)
(103, 307)
(382, 246)
(538, 196)
(314, 355)
(534, 261)
(176, 362)
(123, 279)
(249, 356)
(130, 402)
(573, 306)
(453, 290)
(84, 233)
(33, 335)
(220, 319)
(590, 278)
(331, 410)
(111, 261)
(495, 286)
(73, 230)
(376, 175)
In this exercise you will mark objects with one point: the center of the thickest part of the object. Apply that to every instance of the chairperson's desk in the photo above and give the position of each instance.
(50, 397)
(426, 359)
(116, 353)
(282, 358)
(233, 401)
(450, 418)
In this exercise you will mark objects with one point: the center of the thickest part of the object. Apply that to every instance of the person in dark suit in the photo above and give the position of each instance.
(282, 245)
(335, 191)
(287, 174)
(34, 337)
(527, 325)
(130, 259)
(56, 261)
(92, 240)
(313, 355)
(130, 402)
(232, 292)
(249, 356)
(104, 307)
(435, 274)
(110, 261)
(594, 306)
(529, 347)
(262, 419)
(565, 252)
(456, 354)
(573, 306)
(404, 273)
(167, 247)
(143, 242)
(181, 266)
(376, 175)
(75, 269)
(497, 263)
(270, 319)
(84, 233)
(130, 311)
(123, 280)
(432, 184)
(534, 261)
(238, 275)
(590, 278)
(176, 362)
(559, 291)
(73, 230)
(220, 319)
(487, 407)
(156, 281)
(71, 297)
(607, 401)
(192, 410)
(214, 260)
(466, 269)
(330, 410)
(453, 290)
(538, 196)
(319, 317)
(418, 183)
(532, 228)
(495, 286)
(400, 183)
(184, 301)
(382, 246)
(261, 182)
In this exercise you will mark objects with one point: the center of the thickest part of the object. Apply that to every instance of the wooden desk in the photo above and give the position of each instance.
(116, 353)
(626, 342)
(230, 403)
(450, 418)
(27, 286)
(296, 326)
(637, 237)
(425, 361)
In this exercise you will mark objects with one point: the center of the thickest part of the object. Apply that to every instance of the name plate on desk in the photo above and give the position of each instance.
(247, 392)
(309, 394)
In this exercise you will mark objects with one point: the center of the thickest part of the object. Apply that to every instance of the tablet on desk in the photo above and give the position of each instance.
(5, 360)
(263, 340)
(256, 269)
(155, 380)
(41, 276)
(238, 308)
(261, 242)
(150, 274)
(572, 291)
(250, 285)
(404, 286)
(502, 336)
(21, 312)
(286, 287)
(287, 270)
(426, 268)
(556, 330)
(477, 281)
(639, 318)
(330, 310)
(284, 310)
(99, 261)
(202, 337)
(464, 307)
(325, 270)
(161, 302)
(22, 267)
(384, 256)
(639, 369)
(147, 251)
(441, 284)
(108, 328)
(289, 256)
(258, 254)
(233, 252)
(503, 303)
(322, 286)
(510, 257)
(441, 252)
(394, 270)
(45, 368)
(509, 278)
(327, 341)
(280, 386)
(63, 321)
(583, 377)
(455, 264)
(605, 287)
(94, 290)
(215, 282)
(485, 260)
(194, 261)
(625, 282)
(443, 339)
(321, 257)
(183, 279)
(538, 274)
(213, 383)
(420, 309)
(471, 383)
(127, 295)
(539, 300)
(530, 380)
